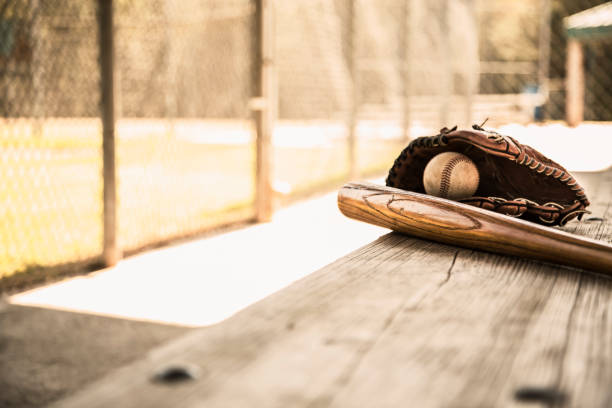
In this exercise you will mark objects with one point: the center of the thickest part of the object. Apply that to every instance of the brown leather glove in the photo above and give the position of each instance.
(515, 179)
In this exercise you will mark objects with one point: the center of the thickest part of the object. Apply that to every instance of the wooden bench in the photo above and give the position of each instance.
(400, 322)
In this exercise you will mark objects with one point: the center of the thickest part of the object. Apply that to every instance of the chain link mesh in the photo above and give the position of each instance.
(523, 47)
(378, 71)
(50, 137)
(313, 96)
(185, 143)
(598, 65)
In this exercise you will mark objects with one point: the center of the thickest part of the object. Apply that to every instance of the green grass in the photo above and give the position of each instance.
(51, 195)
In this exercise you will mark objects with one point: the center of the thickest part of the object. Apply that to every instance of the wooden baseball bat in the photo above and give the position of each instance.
(454, 223)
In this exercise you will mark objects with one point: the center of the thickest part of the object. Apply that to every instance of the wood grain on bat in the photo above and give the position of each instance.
(454, 223)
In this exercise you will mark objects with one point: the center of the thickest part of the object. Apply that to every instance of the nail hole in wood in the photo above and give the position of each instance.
(175, 374)
(547, 395)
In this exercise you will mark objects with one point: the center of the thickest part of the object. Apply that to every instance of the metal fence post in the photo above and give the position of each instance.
(36, 67)
(405, 64)
(264, 106)
(544, 49)
(111, 252)
(446, 80)
(471, 76)
(354, 95)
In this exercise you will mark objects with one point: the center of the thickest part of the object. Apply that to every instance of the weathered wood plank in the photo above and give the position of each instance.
(518, 334)
(460, 347)
(586, 370)
(585, 373)
(598, 224)
(401, 322)
(549, 346)
(289, 348)
(537, 361)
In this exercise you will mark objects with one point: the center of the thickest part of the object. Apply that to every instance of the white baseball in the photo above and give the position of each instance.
(451, 175)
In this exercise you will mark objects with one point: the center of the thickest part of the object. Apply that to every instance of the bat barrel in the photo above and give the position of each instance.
(454, 223)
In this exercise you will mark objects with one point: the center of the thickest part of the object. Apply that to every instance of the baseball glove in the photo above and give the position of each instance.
(515, 179)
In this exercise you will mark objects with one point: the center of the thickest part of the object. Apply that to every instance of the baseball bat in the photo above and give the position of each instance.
(454, 223)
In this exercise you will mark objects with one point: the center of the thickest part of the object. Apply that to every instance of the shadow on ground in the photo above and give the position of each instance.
(48, 354)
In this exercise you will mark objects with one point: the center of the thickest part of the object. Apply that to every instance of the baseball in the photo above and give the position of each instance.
(451, 175)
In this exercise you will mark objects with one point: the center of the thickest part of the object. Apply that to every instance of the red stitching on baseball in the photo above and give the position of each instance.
(446, 174)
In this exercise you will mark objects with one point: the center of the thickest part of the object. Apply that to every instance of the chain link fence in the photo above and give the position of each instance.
(50, 137)
(354, 81)
(523, 51)
(597, 65)
(184, 139)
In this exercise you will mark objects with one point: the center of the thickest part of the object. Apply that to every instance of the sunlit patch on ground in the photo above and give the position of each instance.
(203, 282)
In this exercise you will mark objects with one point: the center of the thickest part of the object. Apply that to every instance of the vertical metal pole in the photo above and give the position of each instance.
(405, 63)
(39, 51)
(170, 68)
(544, 49)
(446, 80)
(471, 74)
(354, 96)
(264, 105)
(112, 253)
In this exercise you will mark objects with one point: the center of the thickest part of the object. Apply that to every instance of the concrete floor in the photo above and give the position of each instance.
(202, 282)
(47, 354)
(57, 338)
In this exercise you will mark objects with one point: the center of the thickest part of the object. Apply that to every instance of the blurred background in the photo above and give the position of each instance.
(214, 112)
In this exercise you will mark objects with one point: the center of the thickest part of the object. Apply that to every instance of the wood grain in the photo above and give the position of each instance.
(454, 223)
(400, 322)
(585, 366)
(292, 349)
